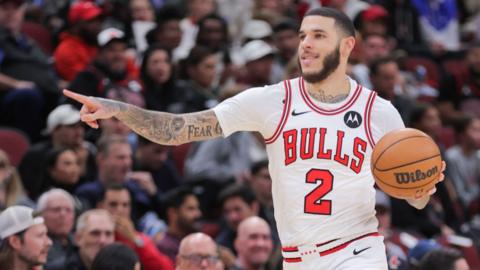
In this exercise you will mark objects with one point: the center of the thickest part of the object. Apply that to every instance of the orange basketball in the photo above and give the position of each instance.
(406, 163)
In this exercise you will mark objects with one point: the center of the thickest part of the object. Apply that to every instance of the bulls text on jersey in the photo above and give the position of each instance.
(309, 137)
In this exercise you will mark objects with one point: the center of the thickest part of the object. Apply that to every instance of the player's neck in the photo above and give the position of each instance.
(335, 88)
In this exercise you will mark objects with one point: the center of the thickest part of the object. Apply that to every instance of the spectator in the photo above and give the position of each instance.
(116, 200)
(182, 213)
(66, 131)
(154, 158)
(11, 188)
(114, 161)
(213, 34)
(385, 77)
(285, 39)
(112, 74)
(238, 203)
(198, 251)
(373, 21)
(157, 74)
(261, 184)
(24, 241)
(372, 47)
(258, 56)
(418, 252)
(443, 34)
(461, 90)
(463, 161)
(58, 210)
(28, 88)
(78, 45)
(61, 170)
(253, 244)
(444, 259)
(426, 118)
(257, 29)
(196, 9)
(116, 256)
(167, 33)
(142, 15)
(197, 90)
(95, 230)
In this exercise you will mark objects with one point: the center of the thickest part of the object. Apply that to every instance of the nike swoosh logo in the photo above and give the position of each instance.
(294, 113)
(355, 252)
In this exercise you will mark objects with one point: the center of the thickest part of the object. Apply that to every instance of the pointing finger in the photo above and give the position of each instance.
(80, 98)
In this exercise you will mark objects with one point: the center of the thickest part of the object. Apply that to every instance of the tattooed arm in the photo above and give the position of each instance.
(171, 129)
(160, 127)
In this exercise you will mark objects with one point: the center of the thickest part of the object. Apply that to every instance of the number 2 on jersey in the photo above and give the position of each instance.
(313, 201)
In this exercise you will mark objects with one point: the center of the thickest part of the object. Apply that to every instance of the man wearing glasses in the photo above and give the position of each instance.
(198, 251)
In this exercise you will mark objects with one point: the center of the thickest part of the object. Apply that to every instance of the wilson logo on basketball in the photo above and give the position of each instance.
(418, 175)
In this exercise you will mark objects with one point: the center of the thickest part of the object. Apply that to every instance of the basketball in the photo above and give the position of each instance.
(406, 163)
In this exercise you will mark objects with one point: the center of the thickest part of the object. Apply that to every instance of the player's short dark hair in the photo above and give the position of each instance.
(440, 259)
(115, 256)
(377, 63)
(236, 190)
(257, 166)
(341, 19)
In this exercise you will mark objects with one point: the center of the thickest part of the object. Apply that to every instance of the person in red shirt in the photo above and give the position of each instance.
(78, 45)
(117, 201)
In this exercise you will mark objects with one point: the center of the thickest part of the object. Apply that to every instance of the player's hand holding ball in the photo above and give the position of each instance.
(406, 164)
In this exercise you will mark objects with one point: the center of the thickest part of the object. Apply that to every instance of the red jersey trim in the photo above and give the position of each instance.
(285, 113)
(317, 109)
(367, 115)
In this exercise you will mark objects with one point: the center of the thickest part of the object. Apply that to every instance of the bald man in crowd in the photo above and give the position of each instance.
(253, 244)
(198, 251)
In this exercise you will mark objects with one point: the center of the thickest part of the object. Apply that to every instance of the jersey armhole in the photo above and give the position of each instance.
(367, 115)
(286, 110)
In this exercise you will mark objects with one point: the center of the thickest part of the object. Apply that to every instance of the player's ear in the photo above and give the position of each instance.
(346, 45)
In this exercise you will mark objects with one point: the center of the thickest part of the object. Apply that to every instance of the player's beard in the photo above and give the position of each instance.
(330, 64)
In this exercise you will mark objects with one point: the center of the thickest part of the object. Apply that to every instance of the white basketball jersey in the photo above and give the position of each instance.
(320, 165)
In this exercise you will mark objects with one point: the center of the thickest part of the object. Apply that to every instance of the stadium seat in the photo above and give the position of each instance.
(433, 74)
(15, 143)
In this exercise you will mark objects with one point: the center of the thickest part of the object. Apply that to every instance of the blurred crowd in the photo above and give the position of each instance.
(79, 198)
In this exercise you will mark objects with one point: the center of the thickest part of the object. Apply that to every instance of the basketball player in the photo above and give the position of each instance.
(319, 130)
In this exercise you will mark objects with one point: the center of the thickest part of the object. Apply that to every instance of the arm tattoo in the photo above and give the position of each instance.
(322, 97)
(170, 129)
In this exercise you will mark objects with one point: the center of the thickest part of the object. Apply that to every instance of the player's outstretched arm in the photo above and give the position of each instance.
(160, 127)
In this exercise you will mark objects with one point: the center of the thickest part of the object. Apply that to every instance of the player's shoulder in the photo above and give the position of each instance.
(379, 103)
(277, 89)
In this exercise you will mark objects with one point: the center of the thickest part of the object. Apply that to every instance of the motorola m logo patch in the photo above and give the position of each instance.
(352, 119)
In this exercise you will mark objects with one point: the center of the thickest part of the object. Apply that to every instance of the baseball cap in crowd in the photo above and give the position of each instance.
(108, 35)
(16, 219)
(374, 12)
(424, 246)
(83, 11)
(64, 114)
(256, 49)
(256, 29)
